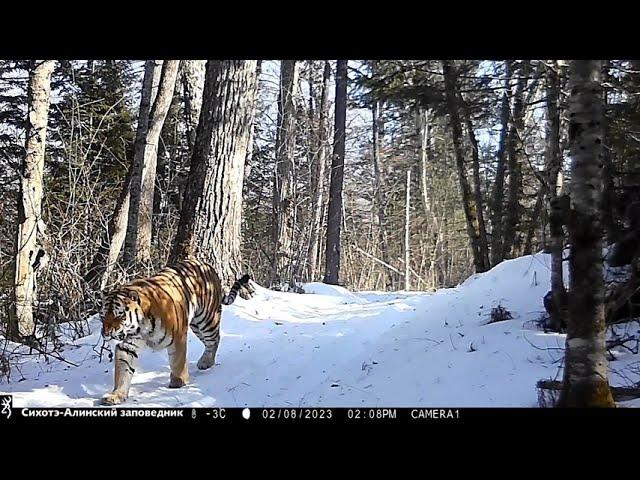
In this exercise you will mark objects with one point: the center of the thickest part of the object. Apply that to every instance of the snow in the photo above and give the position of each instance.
(331, 347)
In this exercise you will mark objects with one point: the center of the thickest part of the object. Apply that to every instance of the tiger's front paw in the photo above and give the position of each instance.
(114, 398)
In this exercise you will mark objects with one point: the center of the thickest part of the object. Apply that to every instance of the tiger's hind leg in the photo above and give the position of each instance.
(178, 361)
(207, 329)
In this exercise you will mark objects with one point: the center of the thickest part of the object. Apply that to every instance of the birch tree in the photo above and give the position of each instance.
(30, 254)
(585, 376)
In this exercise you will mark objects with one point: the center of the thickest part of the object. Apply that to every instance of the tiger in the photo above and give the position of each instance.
(156, 312)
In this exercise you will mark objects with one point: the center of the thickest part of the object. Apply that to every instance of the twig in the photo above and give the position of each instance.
(54, 355)
(540, 348)
(378, 260)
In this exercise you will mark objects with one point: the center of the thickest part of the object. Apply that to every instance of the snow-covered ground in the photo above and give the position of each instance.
(335, 348)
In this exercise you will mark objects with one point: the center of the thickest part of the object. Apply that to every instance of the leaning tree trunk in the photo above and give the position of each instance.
(113, 238)
(284, 197)
(191, 80)
(192, 87)
(556, 210)
(211, 216)
(137, 243)
(168, 159)
(111, 243)
(467, 203)
(585, 378)
(334, 215)
(318, 167)
(29, 252)
(498, 189)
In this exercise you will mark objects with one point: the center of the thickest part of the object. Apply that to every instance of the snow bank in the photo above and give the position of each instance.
(331, 347)
(318, 288)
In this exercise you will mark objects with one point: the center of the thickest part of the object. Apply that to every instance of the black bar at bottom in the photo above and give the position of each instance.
(304, 415)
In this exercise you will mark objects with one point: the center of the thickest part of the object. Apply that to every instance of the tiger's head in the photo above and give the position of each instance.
(121, 314)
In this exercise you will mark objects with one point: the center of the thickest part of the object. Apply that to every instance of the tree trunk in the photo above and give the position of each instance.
(498, 190)
(284, 197)
(30, 255)
(456, 130)
(556, 211)
(318, 167)
(424, 129)
(407, 282)
(612, 232)
(477, 192)
(211, 216)
(334, 216)
(137, 244)
(514, 150)
(585, 377)
(537, 212)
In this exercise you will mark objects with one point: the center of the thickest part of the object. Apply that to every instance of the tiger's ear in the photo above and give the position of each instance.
(133, 295)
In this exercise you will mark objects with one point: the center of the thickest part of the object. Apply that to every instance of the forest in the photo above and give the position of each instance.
(383, 186)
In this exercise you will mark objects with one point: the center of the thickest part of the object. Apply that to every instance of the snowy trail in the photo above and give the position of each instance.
(335, 348)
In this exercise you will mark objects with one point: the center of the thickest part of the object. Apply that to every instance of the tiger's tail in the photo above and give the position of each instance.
(233, 293)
